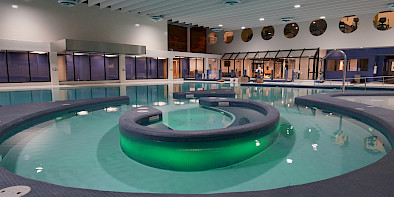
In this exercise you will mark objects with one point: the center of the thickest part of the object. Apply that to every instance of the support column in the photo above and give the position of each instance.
(122, 68)
(206, 67)
(54, 68)
(188, 39)
(170, 68)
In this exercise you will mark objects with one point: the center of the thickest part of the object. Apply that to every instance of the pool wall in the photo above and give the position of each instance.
(197, 150)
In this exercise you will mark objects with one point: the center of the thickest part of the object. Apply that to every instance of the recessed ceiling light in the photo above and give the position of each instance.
(220, 25)
(322, 17)
(15, 6)
(242, 27)
(137, 25)
(297, 6)
(261, 19)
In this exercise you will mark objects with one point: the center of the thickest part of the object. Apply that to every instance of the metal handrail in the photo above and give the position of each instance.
(362, 78)
(344, 65)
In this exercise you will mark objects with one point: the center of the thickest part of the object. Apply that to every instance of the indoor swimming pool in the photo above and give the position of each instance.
(83, 149)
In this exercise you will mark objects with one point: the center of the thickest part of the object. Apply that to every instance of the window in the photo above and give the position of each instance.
(111, 67)
(162, 68)
(81, 67)
(39, 67)
(291, 30)
(384, 20)
(152, 68)
(247, 34)
(3, 68)
(331, 65)
(141, 68)
(352, 65)
(318, 27)
(267, 32)
(363, 64)
(18, 67)
(349, 24)
(212, 38)
(228, 36)
(130, 68)
(69, 68)
(97, 67)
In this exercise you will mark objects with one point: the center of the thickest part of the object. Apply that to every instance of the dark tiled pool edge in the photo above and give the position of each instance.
(373, 180)
(129, 123)
(204, 93)
(316, 86)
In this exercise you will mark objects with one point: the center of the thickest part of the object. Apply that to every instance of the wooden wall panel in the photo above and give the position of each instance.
(177, 38)
(198, 40)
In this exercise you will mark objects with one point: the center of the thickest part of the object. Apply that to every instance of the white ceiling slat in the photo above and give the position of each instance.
(135, 8)
(109, 3)
(150, 9)
(273, 14)
(124, 4)
(94, 2)
(172, 5)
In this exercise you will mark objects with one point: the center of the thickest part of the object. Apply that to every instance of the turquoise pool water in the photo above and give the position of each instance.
(312, 145)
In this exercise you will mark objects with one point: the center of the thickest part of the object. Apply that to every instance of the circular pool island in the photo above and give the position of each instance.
(145, 139)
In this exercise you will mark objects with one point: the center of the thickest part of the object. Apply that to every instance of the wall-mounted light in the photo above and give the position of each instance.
(79, 53)
(261, 19)
(322, 17)
(297, 6)
(38, 52)
(15, 6)
(137, 25)
(220, 25)
(243, 27)
(111, 55)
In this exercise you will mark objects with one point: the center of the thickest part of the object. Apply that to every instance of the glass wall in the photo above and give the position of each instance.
(162, 68)
(130, 68)
(3, 68)
(152, 68)
(196, 67)
(111, 67)
(97, 67)
(24, 67)
(39, 67)
(146, 68)
(88, 67)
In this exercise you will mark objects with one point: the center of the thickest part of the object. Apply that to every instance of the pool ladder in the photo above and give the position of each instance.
(344, 65)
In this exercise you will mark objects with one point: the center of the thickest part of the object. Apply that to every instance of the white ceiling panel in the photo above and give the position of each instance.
(211, 13)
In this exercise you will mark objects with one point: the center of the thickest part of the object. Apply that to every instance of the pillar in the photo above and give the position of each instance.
(122, 68)
(54, 68)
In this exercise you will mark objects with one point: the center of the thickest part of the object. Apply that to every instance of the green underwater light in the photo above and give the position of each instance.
(196, 156)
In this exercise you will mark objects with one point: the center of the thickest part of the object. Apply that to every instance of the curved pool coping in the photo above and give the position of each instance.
(130, 123)
(204, 93)
(373, 180)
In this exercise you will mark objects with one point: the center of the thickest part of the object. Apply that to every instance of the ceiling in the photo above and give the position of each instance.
(211, 13)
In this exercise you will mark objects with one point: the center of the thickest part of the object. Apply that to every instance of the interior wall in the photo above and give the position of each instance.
(47, 21)
(365, 36)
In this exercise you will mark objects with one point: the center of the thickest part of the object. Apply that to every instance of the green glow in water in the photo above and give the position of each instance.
(196, 156)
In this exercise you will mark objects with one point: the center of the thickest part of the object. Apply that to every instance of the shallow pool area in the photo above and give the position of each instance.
(311, 145)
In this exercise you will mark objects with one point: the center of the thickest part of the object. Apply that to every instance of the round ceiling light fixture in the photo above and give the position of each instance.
(157, 18)
(69, 3)
(231, 2)
(217, 29)
(287, 19)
